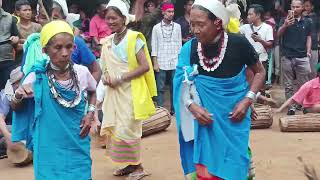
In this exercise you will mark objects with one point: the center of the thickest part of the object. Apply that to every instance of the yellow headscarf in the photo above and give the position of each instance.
(234, 25)
(53, 28)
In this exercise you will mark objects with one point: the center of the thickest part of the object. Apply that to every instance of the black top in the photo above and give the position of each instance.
(238, 54)
(294, 39)
(315, 29)
(185, 27)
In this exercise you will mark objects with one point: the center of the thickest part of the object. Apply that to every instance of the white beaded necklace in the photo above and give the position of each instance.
(212, 64)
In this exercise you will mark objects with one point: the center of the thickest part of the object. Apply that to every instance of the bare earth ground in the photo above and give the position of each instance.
(275, 156)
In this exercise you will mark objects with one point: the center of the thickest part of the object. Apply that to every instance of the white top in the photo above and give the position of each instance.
(101, 91)
(121, 48)
(86, 80)
(266, 33)
(166, 43)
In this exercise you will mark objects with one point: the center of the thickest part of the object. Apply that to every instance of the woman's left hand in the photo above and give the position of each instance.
(96, 124)
(254, 114)
(240, 111)
(86, 125)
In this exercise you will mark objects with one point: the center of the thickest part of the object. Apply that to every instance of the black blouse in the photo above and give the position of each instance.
(238, 54)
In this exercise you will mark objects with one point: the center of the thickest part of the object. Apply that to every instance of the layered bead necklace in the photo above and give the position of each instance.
(211, 64)
(55, 93)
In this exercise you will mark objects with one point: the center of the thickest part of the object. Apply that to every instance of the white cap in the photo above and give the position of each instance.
(123, 9)
(217, 8)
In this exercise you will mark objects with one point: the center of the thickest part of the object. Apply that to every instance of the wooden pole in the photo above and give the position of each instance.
(44, 9)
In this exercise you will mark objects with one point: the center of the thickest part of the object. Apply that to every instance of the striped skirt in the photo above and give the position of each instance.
(125, 152)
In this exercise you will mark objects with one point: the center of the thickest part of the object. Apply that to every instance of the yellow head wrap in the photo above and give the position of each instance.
(53, 28)
(234, 25)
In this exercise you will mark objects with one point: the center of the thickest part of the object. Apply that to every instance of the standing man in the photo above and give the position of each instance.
(315, 34)
(8, 39)
(25, 25)
(259, 34)
(98, 28)
(166, 44)
(184, 22)
(295, 32)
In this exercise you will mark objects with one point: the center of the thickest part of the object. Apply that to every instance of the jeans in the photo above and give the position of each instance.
(5, 69)
(161, 78)
(295, 74)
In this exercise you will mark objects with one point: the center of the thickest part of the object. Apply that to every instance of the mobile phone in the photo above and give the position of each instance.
(290, 14)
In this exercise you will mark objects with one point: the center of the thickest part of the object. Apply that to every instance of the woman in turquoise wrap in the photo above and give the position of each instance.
(212, 96)
(56, 125)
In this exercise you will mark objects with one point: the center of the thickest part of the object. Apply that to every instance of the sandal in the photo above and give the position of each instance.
(3, 150)
(137, 175)
(124, 171)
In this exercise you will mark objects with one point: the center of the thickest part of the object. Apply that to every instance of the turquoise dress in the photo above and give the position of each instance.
(52, 132)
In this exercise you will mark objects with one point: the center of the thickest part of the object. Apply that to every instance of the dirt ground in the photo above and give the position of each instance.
(275, 156)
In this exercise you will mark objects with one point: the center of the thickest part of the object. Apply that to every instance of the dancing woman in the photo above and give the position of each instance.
(56, 125)
(128, 74)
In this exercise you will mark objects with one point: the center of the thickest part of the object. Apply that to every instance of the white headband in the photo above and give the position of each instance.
(123, 9)
(216, 7)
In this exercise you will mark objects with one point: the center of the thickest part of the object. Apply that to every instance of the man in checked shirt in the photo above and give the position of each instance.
(166, 43)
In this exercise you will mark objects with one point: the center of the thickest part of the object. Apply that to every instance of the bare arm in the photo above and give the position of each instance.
(266, 44)
(24, 91)
(156, 67)
(95, 71)
(288, 22)
(258, 78)
(3, 127)
(309, 44)
(154, 51)
(286, 104)
(86, 121)
(96, 41)
(140, 70)
(281, 31)
(241, 108)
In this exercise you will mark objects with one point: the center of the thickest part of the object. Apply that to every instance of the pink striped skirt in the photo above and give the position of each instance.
(125, 152)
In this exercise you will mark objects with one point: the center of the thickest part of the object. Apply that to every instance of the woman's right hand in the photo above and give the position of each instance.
(201, 114)
(106, 79)
(156, 66)
(24, 91)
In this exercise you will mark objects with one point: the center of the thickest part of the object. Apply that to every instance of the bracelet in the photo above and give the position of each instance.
(188, 103)
(251, 95)
(91, 108)
(119, 78)
(16, 100)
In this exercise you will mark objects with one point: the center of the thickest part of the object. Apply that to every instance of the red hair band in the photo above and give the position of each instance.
(167, 6)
